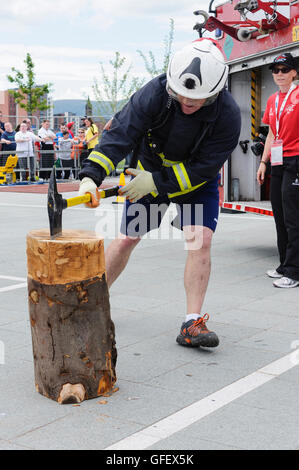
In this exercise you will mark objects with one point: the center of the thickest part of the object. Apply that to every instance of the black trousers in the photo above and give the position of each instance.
(67, 164)
(46, 160)
(84, 154)
(284, 195)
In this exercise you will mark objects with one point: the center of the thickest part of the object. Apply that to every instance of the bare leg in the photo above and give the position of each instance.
(194, 331)
(117, 256)
(197, 268)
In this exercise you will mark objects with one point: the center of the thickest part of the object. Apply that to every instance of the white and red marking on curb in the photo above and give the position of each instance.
(244, 208)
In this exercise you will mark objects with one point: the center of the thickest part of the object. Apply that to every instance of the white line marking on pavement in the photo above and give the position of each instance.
(12, 278)
(202, 408)
(4, 204)
(15, 286)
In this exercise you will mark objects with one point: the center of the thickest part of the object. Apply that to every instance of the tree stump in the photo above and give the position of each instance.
(72, 332)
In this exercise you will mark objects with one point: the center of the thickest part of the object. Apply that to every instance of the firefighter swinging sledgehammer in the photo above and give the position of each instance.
(183, 126)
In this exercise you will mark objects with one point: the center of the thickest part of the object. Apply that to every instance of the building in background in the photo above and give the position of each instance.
(11, 111)
(88, 107)
(50, 111)
(14, 113)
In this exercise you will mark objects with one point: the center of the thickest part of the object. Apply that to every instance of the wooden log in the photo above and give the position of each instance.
(73, 336)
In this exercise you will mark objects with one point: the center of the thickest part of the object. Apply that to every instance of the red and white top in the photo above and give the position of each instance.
(288, 122)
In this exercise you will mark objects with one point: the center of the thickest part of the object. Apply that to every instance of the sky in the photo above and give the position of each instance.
(68, 39)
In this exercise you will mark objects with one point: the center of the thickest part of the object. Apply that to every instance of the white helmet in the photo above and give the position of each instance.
(197, 71)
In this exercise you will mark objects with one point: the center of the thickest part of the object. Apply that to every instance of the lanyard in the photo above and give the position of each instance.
(293, 86)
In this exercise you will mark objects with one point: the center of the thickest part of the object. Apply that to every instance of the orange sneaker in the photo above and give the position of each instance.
(195, 333)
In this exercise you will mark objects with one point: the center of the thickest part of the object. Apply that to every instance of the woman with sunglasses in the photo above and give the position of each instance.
(282, 149)
(80, 152)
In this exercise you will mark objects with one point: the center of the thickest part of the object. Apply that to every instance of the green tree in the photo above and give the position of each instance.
(150, 61)
(28, 94)
(112, 93)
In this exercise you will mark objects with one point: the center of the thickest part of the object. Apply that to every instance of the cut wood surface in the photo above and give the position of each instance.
(72, 332)
(74, 256)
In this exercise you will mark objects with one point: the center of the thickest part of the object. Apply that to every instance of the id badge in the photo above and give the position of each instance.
(277, 153)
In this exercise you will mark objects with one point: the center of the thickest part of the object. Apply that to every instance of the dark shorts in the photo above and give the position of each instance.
(200, 209)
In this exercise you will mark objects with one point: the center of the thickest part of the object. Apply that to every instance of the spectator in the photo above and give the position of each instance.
(24, 150)
(59, 134)
(91, 134)
(17, 129)
(8, 142)
(1, 124)
(79, 152)
(37, 146)
(47, 149)
(70, 127)
(65, 145)
(282, 148)
(28, 123)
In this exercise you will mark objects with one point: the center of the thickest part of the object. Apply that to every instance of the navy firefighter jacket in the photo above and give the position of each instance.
(183, 152)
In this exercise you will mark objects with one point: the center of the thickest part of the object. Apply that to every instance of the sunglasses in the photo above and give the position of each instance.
(282, 70)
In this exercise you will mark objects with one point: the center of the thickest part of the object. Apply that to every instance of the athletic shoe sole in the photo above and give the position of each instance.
(209, 340)
(285, 287)
(274, 274)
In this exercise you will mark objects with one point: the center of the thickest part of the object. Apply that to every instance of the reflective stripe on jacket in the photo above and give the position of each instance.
(102, 160)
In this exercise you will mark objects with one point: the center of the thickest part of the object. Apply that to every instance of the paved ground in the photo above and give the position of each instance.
(241, 395)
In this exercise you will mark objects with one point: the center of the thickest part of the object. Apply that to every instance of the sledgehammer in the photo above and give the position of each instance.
(56, 203)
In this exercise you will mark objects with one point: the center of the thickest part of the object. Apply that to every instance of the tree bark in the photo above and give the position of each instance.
(72, 332)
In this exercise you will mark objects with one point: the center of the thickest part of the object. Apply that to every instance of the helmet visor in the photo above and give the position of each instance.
(174, 95)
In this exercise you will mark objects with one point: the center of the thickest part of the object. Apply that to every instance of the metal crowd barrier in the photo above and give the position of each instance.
(32, 165)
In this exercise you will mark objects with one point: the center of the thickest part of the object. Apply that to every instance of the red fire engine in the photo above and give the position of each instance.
(251, 33)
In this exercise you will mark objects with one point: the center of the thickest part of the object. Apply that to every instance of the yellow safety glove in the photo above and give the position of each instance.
(138, 187)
